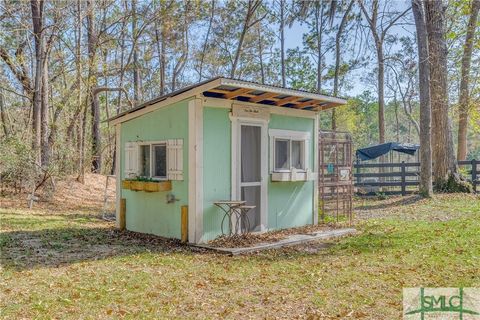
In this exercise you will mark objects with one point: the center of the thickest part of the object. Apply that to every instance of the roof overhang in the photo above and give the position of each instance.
(241, 91)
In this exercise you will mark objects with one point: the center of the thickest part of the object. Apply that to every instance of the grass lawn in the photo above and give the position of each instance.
(71, 264)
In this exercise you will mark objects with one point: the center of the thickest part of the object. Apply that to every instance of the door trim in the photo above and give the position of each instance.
(237, 122)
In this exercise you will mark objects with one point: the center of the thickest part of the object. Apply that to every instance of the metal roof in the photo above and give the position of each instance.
(248, 91)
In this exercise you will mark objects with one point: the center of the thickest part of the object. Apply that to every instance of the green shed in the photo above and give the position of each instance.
(220, 139)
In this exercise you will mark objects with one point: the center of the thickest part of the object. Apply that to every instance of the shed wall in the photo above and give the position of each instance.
(150, 212)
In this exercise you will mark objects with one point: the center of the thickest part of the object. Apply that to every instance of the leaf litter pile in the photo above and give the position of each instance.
(252, 239)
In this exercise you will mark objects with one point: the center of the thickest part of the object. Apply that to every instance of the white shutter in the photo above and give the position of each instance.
(175, 159)
(131, 160)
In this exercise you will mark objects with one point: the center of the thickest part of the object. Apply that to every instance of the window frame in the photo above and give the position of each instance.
(290, 135)
(152, 144)
(289, 158)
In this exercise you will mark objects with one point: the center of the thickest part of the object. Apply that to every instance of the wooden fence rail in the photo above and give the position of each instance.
(401, 177)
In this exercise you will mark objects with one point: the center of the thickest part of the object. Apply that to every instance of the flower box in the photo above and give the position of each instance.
(147, 186)
(136, 185)
(126, 184)
(151, 186)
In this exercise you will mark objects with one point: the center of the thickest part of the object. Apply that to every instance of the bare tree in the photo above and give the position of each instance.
(205, 44)
(338, 61)
(249, 22)
(379, 30)
(464, 100)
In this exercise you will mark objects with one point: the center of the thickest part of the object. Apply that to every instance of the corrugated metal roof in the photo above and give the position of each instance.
(229, 82)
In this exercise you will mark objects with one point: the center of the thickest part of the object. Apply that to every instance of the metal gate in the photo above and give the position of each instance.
(335, 178)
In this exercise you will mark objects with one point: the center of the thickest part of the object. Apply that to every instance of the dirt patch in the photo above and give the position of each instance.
(69, 194)
(249, 240)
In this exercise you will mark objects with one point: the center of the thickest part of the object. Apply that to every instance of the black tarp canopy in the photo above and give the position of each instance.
(372, 152)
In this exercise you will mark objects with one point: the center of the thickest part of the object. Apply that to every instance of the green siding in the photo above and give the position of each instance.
(149, 212)
(290, 204)
(216, 167)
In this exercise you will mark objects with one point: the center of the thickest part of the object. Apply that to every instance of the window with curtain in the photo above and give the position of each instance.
(153, 161)
(159, 161)
(145, 161)
(289, 150)
(282, 151)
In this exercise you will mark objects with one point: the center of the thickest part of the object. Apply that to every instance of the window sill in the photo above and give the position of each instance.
(147, 186)
(291, 176)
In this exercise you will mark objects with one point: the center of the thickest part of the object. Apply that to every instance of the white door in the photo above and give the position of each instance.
(252, 173)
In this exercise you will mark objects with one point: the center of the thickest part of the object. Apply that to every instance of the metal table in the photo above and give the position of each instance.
(242, 217)
(228, 207)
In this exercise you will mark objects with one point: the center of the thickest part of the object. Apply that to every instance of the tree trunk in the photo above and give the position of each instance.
(137, 92)
(381, 92)
(319, 33)
(338, 60)
(162, 58)
(3, 117)
(282, 41)
(45, 149)
(122, 59)
(239, 46)
(260, 54)
(94, 108)
(78, 63)
(37, 22)
(464, 99)
(397, 122)
(444, 166)
(248, 23)
(205, 45)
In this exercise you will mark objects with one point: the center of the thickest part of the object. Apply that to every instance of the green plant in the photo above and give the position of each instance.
(141, 178)
(381, 196)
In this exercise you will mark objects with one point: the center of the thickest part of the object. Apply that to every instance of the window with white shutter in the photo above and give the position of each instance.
(159, 160)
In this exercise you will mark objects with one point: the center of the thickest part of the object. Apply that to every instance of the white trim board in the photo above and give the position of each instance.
(192, 93)
(236, 152)
(289, 134)
(316, 131)
(118, 180)
(195, 171)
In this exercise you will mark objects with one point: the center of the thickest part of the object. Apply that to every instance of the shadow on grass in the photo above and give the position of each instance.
(80, 215)
(22, 250)
(403, 201)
